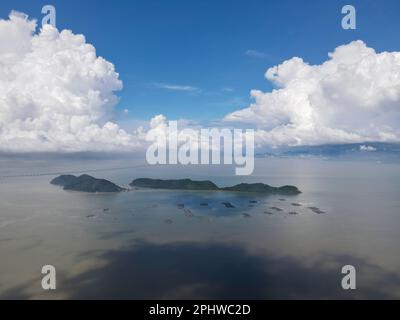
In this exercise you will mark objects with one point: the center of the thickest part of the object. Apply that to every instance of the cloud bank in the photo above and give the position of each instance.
(55, 93)
(352, 97)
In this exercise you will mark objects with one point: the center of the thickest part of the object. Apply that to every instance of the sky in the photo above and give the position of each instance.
(201, 61)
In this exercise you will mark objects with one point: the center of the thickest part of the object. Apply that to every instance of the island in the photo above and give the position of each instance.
(188, 184)
(263, 188)
(183, 184)
(85, 183)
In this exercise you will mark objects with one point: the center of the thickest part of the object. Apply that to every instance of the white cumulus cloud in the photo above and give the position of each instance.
(352, 97)
(56, 94)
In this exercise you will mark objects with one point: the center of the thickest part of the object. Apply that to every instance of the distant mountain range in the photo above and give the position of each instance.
(359, 151)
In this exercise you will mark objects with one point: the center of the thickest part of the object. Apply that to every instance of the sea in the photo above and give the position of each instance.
(163, 244)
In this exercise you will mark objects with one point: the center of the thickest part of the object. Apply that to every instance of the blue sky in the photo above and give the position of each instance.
(187, 59)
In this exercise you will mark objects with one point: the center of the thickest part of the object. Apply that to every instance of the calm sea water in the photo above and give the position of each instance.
(140, 244)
